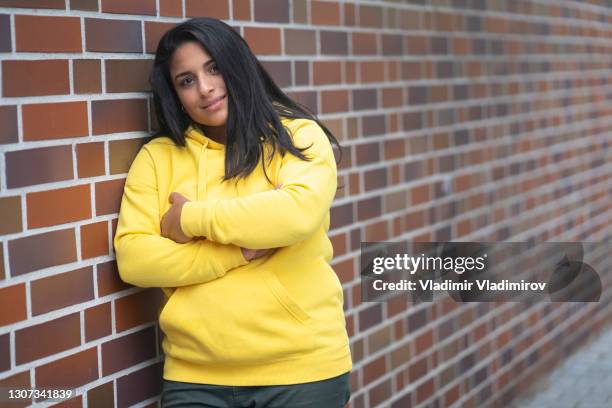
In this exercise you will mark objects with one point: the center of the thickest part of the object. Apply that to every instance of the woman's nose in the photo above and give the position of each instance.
(206, 86)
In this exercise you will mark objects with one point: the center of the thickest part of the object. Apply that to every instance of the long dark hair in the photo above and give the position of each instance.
(255, 103)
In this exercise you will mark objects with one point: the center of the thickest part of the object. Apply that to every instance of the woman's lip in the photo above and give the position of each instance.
(214, 102)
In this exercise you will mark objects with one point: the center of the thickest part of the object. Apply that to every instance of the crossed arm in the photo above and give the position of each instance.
(270, 219)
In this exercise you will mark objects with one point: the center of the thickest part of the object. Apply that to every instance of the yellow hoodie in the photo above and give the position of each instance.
(271, 321)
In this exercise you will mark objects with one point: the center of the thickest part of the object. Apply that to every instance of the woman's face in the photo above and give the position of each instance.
(199, 85)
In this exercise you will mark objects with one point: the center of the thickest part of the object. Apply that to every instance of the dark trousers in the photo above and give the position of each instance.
(330, 393)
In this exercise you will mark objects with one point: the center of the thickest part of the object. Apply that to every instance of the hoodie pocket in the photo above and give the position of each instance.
(246, 317)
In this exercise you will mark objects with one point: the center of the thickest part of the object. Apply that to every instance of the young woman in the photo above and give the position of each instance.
(227, 210)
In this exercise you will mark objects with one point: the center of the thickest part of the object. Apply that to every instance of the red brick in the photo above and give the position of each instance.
(241, 9)
(325, 13)
(13, 304)
(10, 208)
(370, 16)
(94, 240)
(48, 34)
(41, 251)
(69, 372)
(35, 78)
(86, 74)
(46, 121)
(171, 8)
(62, 290)
(60, 206)
(334, 101)
(129, 7)
(28, 344)
(98, 321)
(90, 159)
(264, 41)
(208, 8)
(364, 43)
(101, 396)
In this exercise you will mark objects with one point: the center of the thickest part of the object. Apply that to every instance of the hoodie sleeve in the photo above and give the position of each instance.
(147, 259)
(274, 218)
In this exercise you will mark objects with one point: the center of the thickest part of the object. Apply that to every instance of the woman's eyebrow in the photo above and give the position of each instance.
(210, 61)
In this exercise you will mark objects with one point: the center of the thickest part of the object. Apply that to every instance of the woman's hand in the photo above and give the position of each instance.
(250, 254)
(171, 221)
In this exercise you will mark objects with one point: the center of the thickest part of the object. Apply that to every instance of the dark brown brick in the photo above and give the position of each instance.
(28, 346)
(109, 280)
(48, 4)
(69, 372)
(48, 34)
(86, 73)
(241, 9)
(375, 179)
(370, 16)
(127, 75)
(300, 41)
(85, 5)
(300, 11)
(35, 78)
(327, 72)
(76, 402)
(5, 33)
(325, 13)
(119, 115)
(58, 291)
(369, 208)
(98, 321)
(373, 125)
(101, 396)
(364, 43)
(341, 216)
(12, 304)
(280, 71)
(370, 316)
(302, 72)
(306, 98)
(146, 7)
(2, 275)
(5, 352)
(334, 42)
(105, 35)
(271, 11)
(8, 124)
(18, 381)
(137, 309)
(41, 251)
(128, 350)
(41, 165)
(367, 153)
(365, 99)
(139, 385)
(90, 159)
(10, 208)
(153, 32)
(392, 44)
(208, 8)
(47, 121)
(108, 196)
(334, 101)
(171, 8)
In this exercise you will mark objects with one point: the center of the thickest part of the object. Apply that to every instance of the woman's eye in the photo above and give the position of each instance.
(186, 82)
(214, 69)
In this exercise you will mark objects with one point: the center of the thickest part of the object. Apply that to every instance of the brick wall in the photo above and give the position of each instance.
(461, 120)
